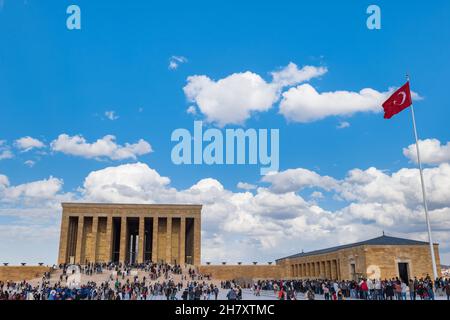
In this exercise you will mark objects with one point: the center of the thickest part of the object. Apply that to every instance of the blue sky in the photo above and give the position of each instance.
(57, 81)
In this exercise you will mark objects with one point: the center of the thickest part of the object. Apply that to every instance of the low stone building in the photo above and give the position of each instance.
(384, 257)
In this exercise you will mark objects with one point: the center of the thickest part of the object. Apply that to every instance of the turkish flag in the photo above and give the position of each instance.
(399, 101)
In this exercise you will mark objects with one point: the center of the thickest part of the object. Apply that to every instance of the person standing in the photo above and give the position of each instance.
(184, 295)
(239, 293)
(405, 290)
(378, 292)
(231, 295)
(389, 290)
(398, 290)
(281, 294)
(364, 289)
(310, 294)
(430, 290)
(412, 290)
(371, 286)
(326, 291)
(447, 289)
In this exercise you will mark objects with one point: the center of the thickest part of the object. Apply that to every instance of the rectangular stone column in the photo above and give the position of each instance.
(155, 240)
(169, 240)
(64, 239)
(182, 254)
(123, 239)
(109, 239)
(333, 269)
(197, 241)
(328, 268)
(141, 240)
(94, 238)
(339, 269)
(78, 251)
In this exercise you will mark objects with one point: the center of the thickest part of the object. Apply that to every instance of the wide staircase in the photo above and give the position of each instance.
(55, 276)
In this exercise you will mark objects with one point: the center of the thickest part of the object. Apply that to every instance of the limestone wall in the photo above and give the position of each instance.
(230, 272)
(20, 273)
(368, 261)
(386, 258)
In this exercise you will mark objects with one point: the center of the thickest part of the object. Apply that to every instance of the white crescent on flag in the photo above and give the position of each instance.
(403, 94)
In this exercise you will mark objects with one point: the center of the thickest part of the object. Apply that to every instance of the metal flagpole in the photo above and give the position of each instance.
(430, 239)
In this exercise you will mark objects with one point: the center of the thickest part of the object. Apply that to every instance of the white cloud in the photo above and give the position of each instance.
(298, 179)
(30, 163)
(30, 234)
(233, 99)
(291, 75)
(5, 152)
(431, 152)
(246, 186)
(401, 187)
(102, 148)
(175, 61)
(42, 189)
(127, 183)
(191, 110)
(304, 104)
(317, 195)
(343, 125)
(28, 143)
(111, 115)
(4, 181)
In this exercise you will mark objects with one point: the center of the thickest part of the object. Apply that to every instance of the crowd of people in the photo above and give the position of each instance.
(157, 281)
(123, 283)
(365, 289)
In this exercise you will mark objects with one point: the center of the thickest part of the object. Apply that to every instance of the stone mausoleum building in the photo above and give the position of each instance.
(131, 233)
(136, 233)
(384, 257)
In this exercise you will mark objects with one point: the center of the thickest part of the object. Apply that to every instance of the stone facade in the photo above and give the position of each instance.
(93, 232)
(368, 261)
(20, 273)
(230, 272)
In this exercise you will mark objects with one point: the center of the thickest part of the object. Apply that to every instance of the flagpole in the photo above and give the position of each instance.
(425, 205)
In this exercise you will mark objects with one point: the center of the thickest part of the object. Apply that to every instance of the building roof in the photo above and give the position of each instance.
(128, 205)
(380, 241)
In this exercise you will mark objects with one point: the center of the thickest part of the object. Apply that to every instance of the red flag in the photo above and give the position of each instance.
(398, 102)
